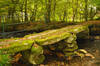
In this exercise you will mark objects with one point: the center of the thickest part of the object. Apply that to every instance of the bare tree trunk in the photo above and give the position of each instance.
(75, 10)
(33, 17)
(73, 15)
(48, 11)
(26, 15)
(65, 13)
(92, 13)
(21, 10)
(13, 10)
(86, 10)
(80, 17)
(0, 19)
(54, 10)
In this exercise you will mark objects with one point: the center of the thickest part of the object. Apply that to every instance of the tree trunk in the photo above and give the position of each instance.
(92, 13)
(21, 10)
(48, 11)
(86, 10)
(73, 15)
(33, 17)
(13, 10)
(26, 15)
(75, 9)
(0, 19)
(54, 10)
(64, 15)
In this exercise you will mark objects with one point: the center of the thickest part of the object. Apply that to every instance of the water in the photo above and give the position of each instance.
(92, 47)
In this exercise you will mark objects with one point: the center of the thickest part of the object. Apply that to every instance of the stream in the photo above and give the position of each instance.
(93, 47)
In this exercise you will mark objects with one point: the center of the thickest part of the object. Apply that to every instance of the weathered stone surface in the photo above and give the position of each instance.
(44, 38)
(35, 55)
(33, 43)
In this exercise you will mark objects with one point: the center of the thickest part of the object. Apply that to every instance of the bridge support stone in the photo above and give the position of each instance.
(35, 55)
(71, 45)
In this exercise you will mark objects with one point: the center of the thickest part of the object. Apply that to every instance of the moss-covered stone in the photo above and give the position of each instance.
(15, 46)
(69, 54)
(36, 59)
(34, 55)
(70, 49)
(31, 45)
(43, 38)
(37, 49)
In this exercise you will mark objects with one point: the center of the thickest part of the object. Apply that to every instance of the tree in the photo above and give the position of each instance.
(95, 3)
(48, 10)
(26, 14)
(86, 10)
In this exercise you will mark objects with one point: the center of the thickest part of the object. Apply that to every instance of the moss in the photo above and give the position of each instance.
(71, 49)
(36, 59)
(44, 38)
(16, 46)
(5, 60)
(71, 39)
(37, 49)
(33, 52)
(2, 40)
(69, 54)
(77, 30)
(52, 39)
(70, 45)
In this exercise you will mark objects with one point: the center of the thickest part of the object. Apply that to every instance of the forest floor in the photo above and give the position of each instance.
(93, 47)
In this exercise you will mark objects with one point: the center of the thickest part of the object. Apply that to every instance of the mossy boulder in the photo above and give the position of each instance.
(34, 55)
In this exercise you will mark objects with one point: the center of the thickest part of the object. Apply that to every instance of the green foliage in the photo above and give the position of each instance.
(60, 10)
(96, 2)
(4, 6)
(5, 60)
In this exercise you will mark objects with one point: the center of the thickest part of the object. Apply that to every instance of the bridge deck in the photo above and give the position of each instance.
(14, 45)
